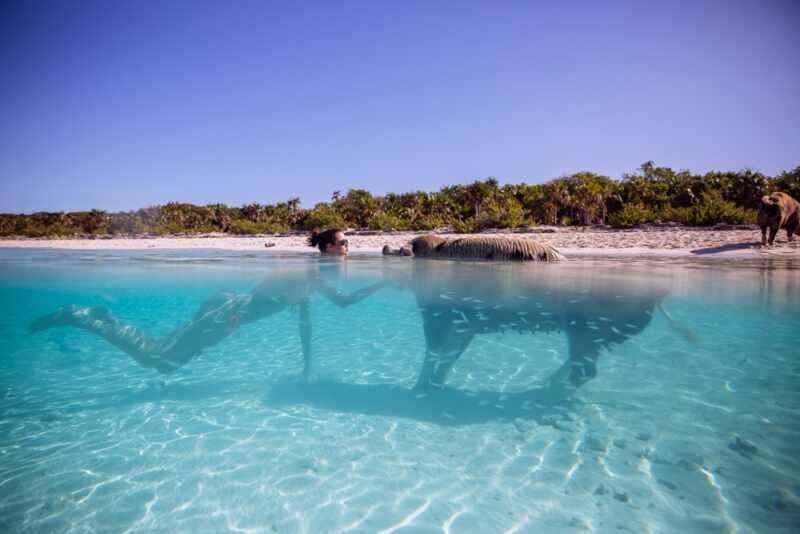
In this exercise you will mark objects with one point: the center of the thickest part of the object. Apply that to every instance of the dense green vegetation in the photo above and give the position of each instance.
(652, 194)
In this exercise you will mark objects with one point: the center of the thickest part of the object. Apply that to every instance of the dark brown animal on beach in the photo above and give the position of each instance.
(777, 211)
(502, 248)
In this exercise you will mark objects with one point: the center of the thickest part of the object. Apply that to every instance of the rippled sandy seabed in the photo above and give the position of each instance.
(691, 425)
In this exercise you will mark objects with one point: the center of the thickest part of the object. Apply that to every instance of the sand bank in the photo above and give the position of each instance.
(666, 242)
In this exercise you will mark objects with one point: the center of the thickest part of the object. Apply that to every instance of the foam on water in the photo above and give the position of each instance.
(690, 425)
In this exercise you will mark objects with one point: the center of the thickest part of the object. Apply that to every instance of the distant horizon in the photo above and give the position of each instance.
(118, 106)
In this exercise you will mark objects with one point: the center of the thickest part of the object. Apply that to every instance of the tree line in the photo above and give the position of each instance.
(649, 195)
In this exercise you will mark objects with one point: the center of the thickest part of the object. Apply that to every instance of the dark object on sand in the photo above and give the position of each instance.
(269, 244)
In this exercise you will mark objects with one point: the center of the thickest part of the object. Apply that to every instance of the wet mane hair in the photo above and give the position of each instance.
(321, 240)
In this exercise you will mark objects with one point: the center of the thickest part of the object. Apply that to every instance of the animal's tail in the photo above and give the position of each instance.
(681, 328)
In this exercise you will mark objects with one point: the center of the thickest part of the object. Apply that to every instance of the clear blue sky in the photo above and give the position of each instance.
(121, 105)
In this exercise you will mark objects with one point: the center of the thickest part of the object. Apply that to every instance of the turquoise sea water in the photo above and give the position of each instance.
(689, 424)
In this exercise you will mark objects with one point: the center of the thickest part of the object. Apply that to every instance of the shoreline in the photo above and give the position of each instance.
(573, 243)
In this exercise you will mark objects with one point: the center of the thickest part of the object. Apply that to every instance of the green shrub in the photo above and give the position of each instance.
(386, 221)
(788, 182)
(125, 223)
(631, 215)
(41, 230)
(245, 227)
(466, 226)
(169, 229)
(322, 216)
(506, 213)
(428, 222)
(712, 210)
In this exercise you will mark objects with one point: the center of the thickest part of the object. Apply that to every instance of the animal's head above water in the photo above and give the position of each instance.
(427, 246)
(402, 251)
(424, 246)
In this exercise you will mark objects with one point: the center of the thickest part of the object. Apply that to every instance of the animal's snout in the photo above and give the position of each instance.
(768, 201)
(402, 251)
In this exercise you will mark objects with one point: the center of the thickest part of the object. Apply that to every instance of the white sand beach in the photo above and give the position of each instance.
(573, 242)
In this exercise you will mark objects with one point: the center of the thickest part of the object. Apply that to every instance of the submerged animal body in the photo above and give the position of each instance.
(594, 313)
(457, 304)
(503, 248)
(777, 211)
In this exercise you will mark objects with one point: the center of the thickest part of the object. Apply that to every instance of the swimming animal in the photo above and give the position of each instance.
(503, 248)
(460, 300)
(777, 211)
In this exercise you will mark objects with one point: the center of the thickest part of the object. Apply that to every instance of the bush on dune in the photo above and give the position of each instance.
(385, 221)
(650, 194)
(631, 215)
(712, 210)
(244, 227)
(322, 216)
